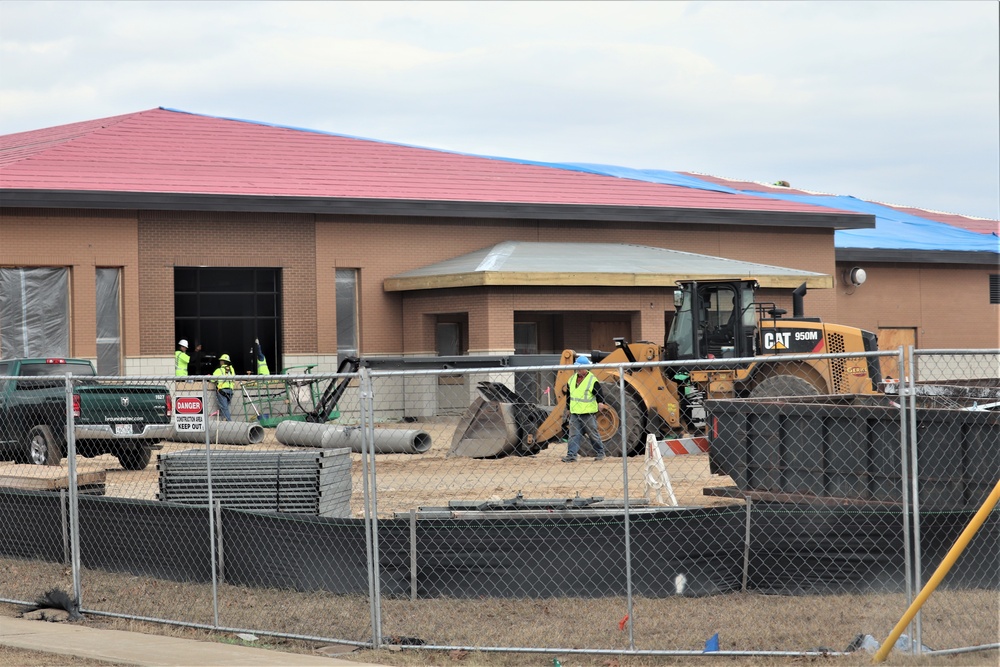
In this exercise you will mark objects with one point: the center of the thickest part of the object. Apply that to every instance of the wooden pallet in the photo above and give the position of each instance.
(89, 478)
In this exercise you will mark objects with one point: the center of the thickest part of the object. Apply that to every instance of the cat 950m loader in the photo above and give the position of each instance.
(714, 320)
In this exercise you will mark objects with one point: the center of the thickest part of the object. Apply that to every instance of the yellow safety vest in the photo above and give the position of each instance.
(582, 400)
(181, 360)
(227, 383)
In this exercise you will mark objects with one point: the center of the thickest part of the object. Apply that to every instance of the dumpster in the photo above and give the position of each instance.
(847, 448)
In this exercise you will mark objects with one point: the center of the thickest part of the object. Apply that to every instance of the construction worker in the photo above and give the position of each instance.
(181, 358)
(585, 399)
(197, 360)
(262, 368)
(224, 386)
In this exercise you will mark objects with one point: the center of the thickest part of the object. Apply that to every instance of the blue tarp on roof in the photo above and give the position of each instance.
(894, 230)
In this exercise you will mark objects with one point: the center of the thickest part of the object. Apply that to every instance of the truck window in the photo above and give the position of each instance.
(54, 374)
(77, 368)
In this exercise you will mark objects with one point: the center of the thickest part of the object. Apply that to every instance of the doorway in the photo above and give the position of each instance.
(225, 309)
(603, 333)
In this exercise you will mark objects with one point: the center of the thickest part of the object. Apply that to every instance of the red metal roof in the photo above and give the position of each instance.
(164, 151)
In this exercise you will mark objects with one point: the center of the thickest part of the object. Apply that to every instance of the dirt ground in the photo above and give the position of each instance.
(745, 621)
(433, 479)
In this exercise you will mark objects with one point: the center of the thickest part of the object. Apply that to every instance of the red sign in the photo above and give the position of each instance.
(187, 405)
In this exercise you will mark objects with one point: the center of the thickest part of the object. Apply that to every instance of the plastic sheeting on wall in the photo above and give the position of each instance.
(34, 312)
(108, 322)
(347, 313)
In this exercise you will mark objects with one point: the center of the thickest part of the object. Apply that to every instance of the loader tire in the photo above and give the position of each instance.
(783, 385)
(609, 424)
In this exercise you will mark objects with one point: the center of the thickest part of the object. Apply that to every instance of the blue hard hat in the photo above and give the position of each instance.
(582, 361)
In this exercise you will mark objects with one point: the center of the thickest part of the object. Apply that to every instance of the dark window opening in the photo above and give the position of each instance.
(451, 335)
(525, 338)
(225, 310)
(995, 288)
(538, 333)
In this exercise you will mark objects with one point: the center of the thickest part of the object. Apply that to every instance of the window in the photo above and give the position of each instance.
(225, 310)
(34, 312)
(995, 288)
(108, 322)
(451, 334)
(347, 313)
(525, 338)
(449, 339)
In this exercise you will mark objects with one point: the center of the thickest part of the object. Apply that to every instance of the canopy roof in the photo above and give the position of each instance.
(521, 263)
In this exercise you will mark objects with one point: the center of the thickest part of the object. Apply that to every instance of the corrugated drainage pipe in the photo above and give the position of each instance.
(225, 433)
(387, 440)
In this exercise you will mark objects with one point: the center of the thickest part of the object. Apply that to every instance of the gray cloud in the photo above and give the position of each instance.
(889, 101)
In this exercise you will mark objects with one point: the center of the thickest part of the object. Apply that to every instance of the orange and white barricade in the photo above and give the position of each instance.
(682, 446)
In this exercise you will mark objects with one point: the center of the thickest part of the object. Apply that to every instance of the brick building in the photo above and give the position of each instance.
(160, 225)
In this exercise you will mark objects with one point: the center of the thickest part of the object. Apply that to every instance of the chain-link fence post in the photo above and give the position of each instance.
(210, 508)
(915, 493)
(367, 414)
(74, 497)
(627, 521)
(905, 411)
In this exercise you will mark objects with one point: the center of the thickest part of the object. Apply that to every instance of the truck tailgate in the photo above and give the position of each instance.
(126, 408)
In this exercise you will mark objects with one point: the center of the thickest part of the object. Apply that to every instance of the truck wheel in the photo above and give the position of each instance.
(43, 450)
(136, 458)
(783, 385)
(609, 424)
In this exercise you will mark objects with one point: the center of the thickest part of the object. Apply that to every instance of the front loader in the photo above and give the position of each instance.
(714, 320)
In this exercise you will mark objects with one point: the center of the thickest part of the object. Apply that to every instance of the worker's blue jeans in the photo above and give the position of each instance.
(580, 424)
(224, 396)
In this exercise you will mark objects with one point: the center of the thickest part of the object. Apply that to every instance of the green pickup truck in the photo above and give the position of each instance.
(125, 420)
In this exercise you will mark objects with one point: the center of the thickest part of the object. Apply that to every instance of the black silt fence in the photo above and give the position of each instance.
(794, 549)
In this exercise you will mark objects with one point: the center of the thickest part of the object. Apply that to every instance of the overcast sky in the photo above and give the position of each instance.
(889, 101)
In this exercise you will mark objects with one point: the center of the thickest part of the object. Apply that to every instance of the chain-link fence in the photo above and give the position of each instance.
(745, 507)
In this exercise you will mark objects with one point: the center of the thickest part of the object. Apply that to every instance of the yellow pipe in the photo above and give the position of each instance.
(940, 573)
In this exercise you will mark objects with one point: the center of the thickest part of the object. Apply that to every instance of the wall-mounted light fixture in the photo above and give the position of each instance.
(856, 276)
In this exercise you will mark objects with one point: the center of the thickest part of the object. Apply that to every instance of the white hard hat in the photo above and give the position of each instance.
(183, 342)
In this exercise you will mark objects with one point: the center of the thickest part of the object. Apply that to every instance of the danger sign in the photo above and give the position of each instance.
(190, 414)
(189, 405)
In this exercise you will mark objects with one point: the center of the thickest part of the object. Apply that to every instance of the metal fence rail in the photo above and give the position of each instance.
(434, 508)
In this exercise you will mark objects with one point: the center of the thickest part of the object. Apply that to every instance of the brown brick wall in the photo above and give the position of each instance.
(948, 305)
(169, 239)
(82, 241)
(384, 246)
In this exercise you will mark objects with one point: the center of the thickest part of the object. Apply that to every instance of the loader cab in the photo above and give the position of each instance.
(714, 319)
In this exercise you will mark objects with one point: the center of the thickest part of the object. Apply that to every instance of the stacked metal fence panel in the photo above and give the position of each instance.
(315, 482)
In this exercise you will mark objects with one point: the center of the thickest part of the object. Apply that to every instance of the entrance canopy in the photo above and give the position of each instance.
(521, 263)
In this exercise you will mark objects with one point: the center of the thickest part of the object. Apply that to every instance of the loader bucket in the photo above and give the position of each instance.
(497, 424)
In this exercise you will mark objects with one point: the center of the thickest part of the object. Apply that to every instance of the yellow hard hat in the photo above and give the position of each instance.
(225, 358)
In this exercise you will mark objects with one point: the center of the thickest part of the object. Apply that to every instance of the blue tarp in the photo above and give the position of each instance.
(894, 230)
